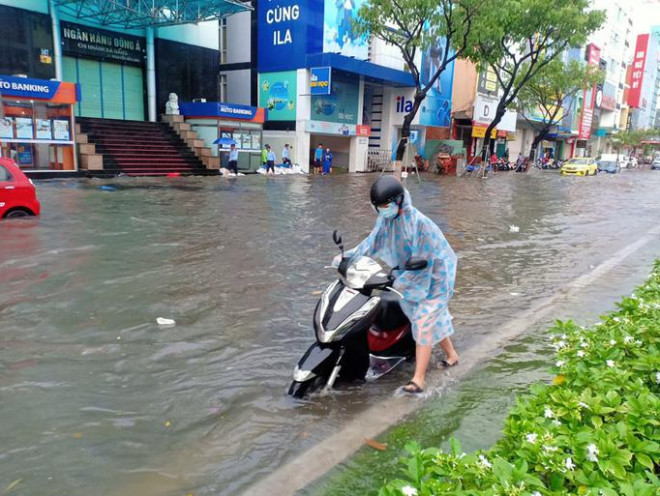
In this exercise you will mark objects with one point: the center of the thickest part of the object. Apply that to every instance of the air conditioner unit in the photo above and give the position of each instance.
(199, 100)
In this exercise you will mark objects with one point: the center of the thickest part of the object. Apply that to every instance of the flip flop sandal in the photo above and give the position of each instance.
(446, 364)
(412, 388)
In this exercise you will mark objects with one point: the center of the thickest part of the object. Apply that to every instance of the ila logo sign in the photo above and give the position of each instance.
(403, 105)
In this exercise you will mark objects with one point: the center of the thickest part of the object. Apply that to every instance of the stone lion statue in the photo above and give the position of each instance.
(172, 105)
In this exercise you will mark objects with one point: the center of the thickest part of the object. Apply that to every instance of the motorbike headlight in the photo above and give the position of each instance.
(342, 329)
(302, 375)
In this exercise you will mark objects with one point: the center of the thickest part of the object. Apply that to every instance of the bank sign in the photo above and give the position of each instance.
(101, 44)
(288, 31)
(39, 89)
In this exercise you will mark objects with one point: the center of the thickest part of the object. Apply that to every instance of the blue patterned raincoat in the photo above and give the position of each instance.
(426, 292)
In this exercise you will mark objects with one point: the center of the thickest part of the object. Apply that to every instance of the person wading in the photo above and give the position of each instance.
(402, 232)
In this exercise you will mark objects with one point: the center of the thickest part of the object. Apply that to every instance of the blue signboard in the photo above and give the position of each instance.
(215, 109)
(28, 88)
(320, 79)
(436, 108)
(288, 31)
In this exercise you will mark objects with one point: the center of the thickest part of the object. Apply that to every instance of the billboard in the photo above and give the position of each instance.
(278, 95)
(341, 105)
(338, 33)
(589, 98)
(288, 31)
(435, 110)
(637, 74)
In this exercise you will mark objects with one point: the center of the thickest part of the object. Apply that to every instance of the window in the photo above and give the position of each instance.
(222, 87)
(4, 174)
(223, 40)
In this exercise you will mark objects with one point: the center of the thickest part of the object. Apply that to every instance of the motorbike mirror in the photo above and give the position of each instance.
(416, 264)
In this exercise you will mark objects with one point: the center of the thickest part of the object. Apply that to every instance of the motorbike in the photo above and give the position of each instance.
(361, 331)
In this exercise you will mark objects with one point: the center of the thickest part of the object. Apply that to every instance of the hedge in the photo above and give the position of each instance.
(595, 430)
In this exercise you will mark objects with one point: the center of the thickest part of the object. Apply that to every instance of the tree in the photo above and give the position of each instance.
(632, 139)
(546, 94)
(521, 37)
(415, 25)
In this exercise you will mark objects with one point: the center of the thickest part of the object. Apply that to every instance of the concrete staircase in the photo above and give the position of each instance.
(135, 148)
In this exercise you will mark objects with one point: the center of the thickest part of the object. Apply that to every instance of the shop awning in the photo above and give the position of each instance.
(131, 14)
(371, 72)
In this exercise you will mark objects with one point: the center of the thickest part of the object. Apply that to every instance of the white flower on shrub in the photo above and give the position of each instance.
(556, 422)
(580, 353)
(550, 449)
(569, 464)
(657, 377)
(583, 404)
(408, 491)
(560, 363)
(584, 344)
(610, 363)
(559, 345)
(612, 342)
(548, 413)
(616, 319)
(483, 462)
(592, 453)
(628, 339)
(536, 493)
(531, 438)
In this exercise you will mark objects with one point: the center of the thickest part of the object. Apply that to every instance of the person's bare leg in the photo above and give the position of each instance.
(422, 359)
(450, 352)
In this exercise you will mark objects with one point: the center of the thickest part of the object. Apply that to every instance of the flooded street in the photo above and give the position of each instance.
(96, 398)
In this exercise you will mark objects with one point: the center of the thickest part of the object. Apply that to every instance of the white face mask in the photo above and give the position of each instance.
(390, 212)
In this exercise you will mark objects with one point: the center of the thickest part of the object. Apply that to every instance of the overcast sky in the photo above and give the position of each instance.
(645, 13)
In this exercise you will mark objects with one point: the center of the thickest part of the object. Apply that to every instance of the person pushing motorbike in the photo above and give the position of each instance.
(402, 232)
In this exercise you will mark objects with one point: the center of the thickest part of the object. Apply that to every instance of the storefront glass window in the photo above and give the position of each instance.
(37, 135)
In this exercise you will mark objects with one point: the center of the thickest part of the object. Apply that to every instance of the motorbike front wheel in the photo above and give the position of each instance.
(301, 389)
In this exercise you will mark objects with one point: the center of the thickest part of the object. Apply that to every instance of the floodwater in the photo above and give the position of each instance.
(96, 398)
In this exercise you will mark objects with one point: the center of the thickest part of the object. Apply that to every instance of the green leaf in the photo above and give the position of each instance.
(644, 460)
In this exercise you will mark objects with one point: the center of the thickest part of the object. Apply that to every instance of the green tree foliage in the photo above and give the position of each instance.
(521, 37)
(545, 94)
(632, 139)
(414, 25)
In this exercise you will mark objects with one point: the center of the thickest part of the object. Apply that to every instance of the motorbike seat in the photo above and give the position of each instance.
(390, 316)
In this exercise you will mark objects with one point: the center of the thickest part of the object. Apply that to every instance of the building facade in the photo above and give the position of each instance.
(122, 72)
(644, 81)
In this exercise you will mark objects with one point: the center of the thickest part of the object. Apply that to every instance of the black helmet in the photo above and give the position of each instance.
(386, 189)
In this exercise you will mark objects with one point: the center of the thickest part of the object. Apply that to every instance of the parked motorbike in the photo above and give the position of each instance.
(361, 331)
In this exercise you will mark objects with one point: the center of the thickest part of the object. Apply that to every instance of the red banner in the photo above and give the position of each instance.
(637, 75)
(589, 96)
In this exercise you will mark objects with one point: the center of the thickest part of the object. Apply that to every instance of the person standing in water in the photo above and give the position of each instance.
(402, 232)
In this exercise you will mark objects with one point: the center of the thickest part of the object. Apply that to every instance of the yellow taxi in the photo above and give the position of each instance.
(580, 166)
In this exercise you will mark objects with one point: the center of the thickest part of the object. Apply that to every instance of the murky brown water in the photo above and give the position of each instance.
(96, 398)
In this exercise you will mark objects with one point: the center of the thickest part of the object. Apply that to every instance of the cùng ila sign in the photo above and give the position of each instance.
(100, 44)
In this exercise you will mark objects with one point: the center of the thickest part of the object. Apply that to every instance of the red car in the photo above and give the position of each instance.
(18, 196)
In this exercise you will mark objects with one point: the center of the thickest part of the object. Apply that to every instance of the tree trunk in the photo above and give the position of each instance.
(535, 144)
(487, 139)
(405, 131)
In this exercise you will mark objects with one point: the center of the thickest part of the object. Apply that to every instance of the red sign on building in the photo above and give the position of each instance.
(362, 130)
(589, 96)
(637, 71)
